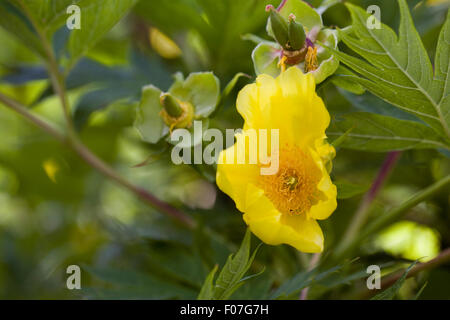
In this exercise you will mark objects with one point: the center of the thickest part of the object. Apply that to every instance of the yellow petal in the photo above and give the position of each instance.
(288, 103)
(233, 179)
(274, 228)
(254, 102)
(325, 207)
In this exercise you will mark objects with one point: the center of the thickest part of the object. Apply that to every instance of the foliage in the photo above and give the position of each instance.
(400, 72)
(386, 91)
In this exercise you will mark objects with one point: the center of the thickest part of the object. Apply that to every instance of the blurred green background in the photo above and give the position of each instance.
(56, 211)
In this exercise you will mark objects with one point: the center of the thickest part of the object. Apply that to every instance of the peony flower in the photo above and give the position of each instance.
(282, 208)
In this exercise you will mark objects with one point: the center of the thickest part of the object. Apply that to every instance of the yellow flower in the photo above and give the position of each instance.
(283, 207)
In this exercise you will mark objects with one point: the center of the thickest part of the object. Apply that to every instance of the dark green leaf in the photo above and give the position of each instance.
(229, 279)
(372, 132)
(398, 70)
(207, 290)
(98, 17)
(389, 293)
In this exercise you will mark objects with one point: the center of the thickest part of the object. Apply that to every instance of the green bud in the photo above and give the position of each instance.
(297, 35)
(171, 105)
(279, 27)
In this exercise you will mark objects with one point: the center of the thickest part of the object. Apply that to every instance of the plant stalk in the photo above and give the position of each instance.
(395, 214)
(362, 213)
(98, 164)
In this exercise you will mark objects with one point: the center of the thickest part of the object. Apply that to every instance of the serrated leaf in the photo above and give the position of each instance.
(372, 132)
(291, 288)
(201, 89)
(207, 290)
(389, 293)
(294, 285)
(98, 17)
(229, 279)
(398, 69)
(341, 79)
(368, 102)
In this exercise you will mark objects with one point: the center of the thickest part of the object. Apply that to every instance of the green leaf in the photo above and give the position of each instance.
(304, 14)
(230, 86)
(201, 89)
(372, 132)
(15, 22)
(48, 15)
(420, 291)
(348, 190)
(97, 18)
(398, 69)
(148, 122)
(207, 290)
(254, 38)
(230, 278)
(265, 58)
(326, 4)
(338, 141)
(442, 73)
(341, 79)
(227, 91)
(389, 293)
(293, 286)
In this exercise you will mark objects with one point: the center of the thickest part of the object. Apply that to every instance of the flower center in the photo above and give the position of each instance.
(293, 189)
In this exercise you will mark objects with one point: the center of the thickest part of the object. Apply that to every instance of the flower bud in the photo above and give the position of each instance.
(176, 113)
(296, 34)
(171, 105)
(279, 28)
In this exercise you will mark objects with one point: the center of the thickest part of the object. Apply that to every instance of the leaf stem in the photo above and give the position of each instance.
(23, 111)
(52, 68)
(362, 213)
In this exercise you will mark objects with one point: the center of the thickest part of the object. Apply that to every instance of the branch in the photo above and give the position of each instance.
(98, 164)
(58, 83)
(393, 215)
(22, 110)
